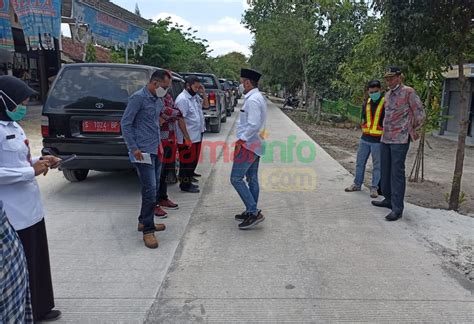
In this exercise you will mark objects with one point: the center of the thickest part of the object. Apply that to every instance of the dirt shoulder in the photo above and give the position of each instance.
(342, 144)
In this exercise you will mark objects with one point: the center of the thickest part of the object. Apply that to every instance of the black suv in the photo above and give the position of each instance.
(83, 111)
(216, 113)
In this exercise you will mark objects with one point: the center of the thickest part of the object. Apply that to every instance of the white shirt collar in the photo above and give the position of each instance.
(188, 95)
(6, 123)
(251, 92)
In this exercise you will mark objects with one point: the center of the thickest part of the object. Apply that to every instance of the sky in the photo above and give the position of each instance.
(218, 21)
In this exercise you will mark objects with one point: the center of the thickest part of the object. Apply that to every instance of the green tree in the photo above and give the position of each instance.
(228, 66)
(284, 31)
(306, 40)
(365, 62)
(91, 53)
(341, 25)
(171, 47)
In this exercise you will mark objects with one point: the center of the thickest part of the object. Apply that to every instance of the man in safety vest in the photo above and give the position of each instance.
(372, 129)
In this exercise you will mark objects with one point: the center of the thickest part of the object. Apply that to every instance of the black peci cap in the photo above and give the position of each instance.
(250, 74)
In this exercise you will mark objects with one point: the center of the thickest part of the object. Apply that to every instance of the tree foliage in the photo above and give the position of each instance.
(228, 66)
(91, 53)
(307, 40)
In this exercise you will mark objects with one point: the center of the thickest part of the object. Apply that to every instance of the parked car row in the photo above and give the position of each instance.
(86, 102)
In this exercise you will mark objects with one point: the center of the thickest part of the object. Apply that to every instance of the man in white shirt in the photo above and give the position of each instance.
(249, 148)
(191, 102)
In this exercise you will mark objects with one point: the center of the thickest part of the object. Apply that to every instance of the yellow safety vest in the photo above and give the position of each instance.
(372, 127)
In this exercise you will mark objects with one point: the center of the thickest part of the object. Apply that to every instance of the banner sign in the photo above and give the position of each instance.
(108, 30)
(41, 21)
(6, 36)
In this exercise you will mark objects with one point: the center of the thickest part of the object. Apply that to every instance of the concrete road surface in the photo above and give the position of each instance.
(322, 255)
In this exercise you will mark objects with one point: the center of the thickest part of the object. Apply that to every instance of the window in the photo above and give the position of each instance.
(84, 87)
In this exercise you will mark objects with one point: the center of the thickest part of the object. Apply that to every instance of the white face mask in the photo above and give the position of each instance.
(161, 92)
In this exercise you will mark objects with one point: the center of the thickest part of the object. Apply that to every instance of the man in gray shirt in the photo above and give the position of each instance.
(141, 131)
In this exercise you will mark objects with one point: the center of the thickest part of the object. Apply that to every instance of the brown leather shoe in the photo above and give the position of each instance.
(150, 241)
(158, 227)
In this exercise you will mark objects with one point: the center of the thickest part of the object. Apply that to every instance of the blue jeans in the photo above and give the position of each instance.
(365, 149)
(149, 175)
(393, 174)
(246, 164)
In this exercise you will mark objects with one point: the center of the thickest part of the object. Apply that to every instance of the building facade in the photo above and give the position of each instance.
(30, 35)
(451, 100)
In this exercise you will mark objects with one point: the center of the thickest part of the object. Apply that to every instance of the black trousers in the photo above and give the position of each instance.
(168, 166)
(393, 174)
(188, 161)
(35, 245)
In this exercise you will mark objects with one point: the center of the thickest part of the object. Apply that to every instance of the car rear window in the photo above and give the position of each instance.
(207, 81)
(93, 87)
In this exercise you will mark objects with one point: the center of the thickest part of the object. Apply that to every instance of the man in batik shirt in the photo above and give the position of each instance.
(404, 116)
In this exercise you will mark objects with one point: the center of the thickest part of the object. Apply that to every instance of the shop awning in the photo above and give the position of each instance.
(6, 37)
(104, 27)
(40, 20)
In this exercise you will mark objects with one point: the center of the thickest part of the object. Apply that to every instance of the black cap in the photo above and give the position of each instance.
(392, 71)
(250, 74)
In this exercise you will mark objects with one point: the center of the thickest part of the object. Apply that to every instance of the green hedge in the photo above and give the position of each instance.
(343, 108)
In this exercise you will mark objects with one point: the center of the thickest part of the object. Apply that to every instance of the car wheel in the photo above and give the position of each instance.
(75, 175)
(216, 128)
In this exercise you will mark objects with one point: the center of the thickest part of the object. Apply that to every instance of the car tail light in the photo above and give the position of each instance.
(212, 99)
(45, 126)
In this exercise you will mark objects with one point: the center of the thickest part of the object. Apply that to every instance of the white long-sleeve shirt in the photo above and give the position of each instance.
(19, 190)
(252, 121)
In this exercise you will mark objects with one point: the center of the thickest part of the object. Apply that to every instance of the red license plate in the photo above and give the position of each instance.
(100, 126)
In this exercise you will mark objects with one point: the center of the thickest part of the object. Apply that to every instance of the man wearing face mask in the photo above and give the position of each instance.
(404, 116)
(372, 129)
(191, 102)
(141, 131)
